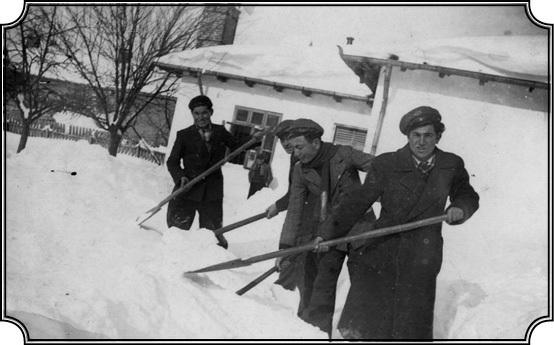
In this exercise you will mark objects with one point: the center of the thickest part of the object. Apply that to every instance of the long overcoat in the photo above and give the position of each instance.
(317, 300)
(393, 278)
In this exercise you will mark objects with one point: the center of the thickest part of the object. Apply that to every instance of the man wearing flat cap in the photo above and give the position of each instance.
(292, 276)
(323, 172)
(196, 149)
(393, 278)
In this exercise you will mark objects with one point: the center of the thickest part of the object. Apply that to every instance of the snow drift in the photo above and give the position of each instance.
(78, 267)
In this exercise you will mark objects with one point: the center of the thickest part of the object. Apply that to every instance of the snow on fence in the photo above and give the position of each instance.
(54, 130)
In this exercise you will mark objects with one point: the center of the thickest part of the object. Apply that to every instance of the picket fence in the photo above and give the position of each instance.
(54, 130)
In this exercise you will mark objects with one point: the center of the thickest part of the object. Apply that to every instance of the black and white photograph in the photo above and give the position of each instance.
(281, 172)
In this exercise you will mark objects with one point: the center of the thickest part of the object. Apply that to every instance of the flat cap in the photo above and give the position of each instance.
(199, 101)
(283, 128)
(305, 126)
(420, 116)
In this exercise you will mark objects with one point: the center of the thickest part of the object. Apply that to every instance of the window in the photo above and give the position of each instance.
(351, 136)
(247, 118)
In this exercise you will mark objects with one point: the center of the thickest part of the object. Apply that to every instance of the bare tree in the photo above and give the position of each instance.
(29, 56)
(114, 50)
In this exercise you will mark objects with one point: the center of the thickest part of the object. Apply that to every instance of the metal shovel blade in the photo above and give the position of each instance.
(221, 266)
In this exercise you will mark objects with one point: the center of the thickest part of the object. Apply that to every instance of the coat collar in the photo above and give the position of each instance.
(427, 198)
(405, 162)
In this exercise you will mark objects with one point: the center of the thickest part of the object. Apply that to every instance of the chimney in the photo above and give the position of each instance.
(217, 26)
(349, 40)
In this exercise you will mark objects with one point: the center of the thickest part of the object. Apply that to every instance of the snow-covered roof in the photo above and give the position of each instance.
(75, 119)
(521, 57)
(310, 67)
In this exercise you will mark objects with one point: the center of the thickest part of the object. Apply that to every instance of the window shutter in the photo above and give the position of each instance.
(350, 136)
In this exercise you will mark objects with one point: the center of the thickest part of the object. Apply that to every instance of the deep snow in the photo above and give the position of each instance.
(77, 266)
(75, 255)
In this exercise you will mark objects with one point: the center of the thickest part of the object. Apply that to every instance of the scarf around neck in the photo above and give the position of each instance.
(325, 153)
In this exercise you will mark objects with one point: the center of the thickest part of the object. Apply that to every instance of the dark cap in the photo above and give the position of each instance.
(305, 127)
(420, 116)
(283, 129)
(199, 101)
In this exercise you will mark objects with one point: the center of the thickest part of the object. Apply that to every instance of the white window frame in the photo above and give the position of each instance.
(248, 122)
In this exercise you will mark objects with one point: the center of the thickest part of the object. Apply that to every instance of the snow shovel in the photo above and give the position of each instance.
(255, 138)
(311, 246)
(261, 278)
(256, 281)
(240, 223)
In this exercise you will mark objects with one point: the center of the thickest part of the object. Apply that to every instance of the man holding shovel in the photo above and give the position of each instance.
(393, 278)
(291, 273)
(324, 172)
(198, 148)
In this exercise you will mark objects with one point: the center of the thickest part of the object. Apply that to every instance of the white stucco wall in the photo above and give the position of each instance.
(501, 132)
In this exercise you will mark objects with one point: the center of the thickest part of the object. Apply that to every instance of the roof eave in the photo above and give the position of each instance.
(358, 63)
(249, 81)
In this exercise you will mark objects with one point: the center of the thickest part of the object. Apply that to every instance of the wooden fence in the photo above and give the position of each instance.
(54, 130)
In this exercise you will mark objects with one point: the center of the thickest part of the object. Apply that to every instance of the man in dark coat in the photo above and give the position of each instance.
(393, 278)
(199, 147)
(324, 172)
(282, 132)
(292, 275)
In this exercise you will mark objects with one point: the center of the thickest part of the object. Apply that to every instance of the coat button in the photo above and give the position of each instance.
(426, 240)
(425, 261)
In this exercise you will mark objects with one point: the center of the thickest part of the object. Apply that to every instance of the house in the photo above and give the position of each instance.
(473, 74)
(263, 85)
(152, 125)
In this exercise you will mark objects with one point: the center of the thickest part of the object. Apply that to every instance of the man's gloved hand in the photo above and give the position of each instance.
(271, 211)
(454, 215)
(282, 263)
(318, 248)
(184, 181)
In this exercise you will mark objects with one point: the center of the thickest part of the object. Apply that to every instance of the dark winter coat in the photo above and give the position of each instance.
(292, 276)
(283, 203)
(393, 278)
(191, 151)
(321, 272)
(343, 174)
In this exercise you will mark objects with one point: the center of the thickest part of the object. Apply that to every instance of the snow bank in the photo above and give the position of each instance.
(88, 271)
(75, 119)
(77, 266)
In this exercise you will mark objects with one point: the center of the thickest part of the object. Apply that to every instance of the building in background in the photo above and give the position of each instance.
(152, 124)
(263, 85)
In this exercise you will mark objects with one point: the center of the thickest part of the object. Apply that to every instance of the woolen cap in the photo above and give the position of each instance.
(303, 126)
(283, 129)
(199, 101)
(420, 116)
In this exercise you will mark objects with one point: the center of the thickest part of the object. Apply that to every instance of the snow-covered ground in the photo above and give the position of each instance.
(74, 119)
(77, 265)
